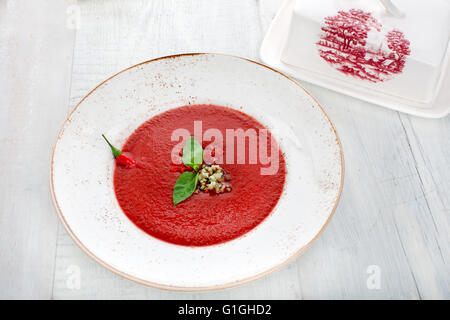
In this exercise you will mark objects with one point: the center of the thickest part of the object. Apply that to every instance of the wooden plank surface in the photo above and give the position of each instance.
(36, 58)
(392, 219)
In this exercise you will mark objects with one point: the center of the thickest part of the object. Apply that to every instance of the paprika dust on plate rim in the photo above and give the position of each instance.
(144, 191)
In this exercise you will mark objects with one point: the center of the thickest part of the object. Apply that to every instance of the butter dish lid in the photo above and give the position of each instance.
(425, 25)
(393, 53)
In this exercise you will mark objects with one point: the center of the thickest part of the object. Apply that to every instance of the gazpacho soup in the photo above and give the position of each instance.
(199, 175)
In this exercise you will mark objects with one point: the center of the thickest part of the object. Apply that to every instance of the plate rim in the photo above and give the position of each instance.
(152, 284)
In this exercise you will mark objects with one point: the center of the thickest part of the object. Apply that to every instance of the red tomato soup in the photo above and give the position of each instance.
(144, 191)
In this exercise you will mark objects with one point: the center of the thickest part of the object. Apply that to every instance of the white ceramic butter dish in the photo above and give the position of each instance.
(391, 53)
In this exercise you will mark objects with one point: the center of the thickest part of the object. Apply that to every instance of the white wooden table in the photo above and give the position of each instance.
(392, 223)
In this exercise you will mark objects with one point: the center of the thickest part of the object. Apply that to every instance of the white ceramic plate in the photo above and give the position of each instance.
(270, 53)
(82, 170)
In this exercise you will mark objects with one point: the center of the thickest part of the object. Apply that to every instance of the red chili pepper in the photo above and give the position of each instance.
(125, 160)
(120, 157)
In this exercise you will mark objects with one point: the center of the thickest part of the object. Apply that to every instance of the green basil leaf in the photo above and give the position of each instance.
(185, 186)
(192, 154)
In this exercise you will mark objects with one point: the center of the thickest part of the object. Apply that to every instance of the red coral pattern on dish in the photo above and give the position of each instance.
(343, 44)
